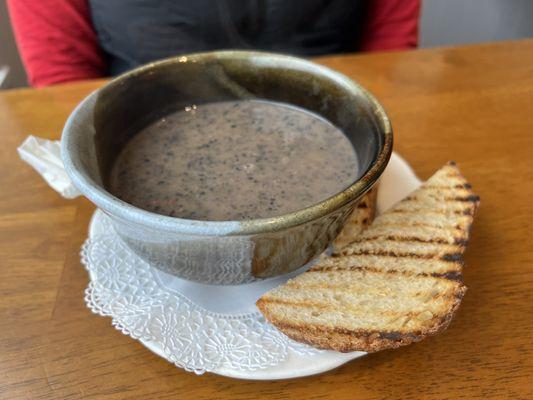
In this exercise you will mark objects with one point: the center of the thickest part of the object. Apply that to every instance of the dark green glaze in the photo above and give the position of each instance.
(101, 125)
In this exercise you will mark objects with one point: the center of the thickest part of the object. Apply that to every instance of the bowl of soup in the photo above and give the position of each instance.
(228, 166)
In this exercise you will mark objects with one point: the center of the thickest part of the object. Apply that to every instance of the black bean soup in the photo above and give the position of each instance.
(233, 161)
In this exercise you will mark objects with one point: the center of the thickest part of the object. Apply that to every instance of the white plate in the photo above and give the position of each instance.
(134, 314)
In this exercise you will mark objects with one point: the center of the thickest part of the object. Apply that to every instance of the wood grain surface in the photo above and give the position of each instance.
(472, 104)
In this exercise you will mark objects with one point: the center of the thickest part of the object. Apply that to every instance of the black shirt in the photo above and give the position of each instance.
(134, 32)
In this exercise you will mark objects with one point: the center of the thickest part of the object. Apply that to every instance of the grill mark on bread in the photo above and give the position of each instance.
(445, 200)
(452, 257)
(450, 275)
(445, 257)
(453, 274)
(431, 221)
(442, 211)
(372, 259)
(453, 267)
(392, 238)
(418, 224)
(443, 187)
(380, 240)
(471, 198)
(383, 253)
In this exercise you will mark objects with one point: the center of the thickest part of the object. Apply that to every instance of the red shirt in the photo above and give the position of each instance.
(57, 41)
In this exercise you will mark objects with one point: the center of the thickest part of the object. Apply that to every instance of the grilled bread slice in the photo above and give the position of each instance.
(361, 217)
(396, 283)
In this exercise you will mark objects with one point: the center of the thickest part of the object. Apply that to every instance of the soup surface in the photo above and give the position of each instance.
(234, 161)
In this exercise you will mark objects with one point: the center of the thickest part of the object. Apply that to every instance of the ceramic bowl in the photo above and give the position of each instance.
(223, 252)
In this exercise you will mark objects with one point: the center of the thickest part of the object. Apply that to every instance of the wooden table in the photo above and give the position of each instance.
(471, 104)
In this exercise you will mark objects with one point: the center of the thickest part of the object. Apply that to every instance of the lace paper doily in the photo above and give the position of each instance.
(124, 288)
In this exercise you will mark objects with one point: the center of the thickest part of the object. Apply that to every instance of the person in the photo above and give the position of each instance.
(67, 40)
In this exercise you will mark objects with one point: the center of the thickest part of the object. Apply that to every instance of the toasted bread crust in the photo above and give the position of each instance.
(368, 341)
(446, 195)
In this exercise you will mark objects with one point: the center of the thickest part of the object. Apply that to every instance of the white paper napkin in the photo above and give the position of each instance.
(45, 157)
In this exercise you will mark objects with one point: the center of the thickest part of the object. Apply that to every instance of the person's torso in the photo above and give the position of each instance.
(134, 32)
